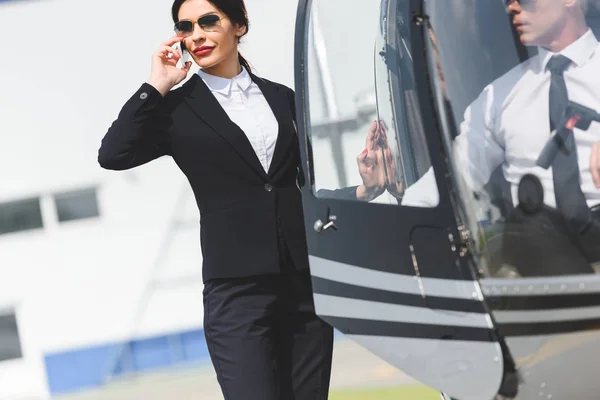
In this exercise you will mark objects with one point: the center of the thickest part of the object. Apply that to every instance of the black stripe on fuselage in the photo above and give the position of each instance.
(538, 302)
(429, 331)
(548, 328)
(355, 326)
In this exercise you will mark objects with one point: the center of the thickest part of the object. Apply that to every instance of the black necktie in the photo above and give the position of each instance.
(570, 200)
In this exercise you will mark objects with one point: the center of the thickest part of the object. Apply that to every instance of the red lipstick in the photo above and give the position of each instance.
(202, 51)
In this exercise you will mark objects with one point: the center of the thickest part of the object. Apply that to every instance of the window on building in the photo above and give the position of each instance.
(10, 344)
(75, 205)
(20, 215)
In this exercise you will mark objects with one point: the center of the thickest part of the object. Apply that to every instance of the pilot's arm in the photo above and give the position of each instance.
(479, 148)
(422, 193)
(347, 193)
(595, 164)
(477, 151)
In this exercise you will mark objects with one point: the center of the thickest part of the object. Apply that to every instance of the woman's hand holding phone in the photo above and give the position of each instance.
(165, 73)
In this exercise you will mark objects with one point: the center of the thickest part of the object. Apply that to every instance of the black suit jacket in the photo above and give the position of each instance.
(245, 211)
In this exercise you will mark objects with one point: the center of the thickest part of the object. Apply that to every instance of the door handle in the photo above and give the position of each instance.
(320, 226)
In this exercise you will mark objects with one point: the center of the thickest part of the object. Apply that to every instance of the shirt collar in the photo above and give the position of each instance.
(579, 51)
(223, 85)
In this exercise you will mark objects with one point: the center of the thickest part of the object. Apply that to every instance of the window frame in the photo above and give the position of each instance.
(424, 98)
(22, 201)
(76, 193)
(12, 312)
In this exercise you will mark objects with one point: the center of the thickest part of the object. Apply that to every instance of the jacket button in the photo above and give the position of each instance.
(268, 187)
(144, 96)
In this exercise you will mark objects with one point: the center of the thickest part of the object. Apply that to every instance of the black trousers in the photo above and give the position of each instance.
(541, 244)
(265, 340)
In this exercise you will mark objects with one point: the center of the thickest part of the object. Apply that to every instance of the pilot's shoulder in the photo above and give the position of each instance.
(517, 72)
(510, 81)
(596, 54)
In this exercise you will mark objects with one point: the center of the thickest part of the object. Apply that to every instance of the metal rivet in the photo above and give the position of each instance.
(144, 96)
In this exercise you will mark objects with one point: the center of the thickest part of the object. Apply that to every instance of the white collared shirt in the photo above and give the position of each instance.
(247, 107)
(509, 124)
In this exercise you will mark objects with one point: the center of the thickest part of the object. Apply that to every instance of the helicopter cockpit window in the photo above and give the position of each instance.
(364, 122)
(519, 90)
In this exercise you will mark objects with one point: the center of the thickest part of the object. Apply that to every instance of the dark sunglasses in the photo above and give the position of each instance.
(208, 23)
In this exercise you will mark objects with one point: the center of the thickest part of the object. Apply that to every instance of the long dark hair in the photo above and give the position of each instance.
(235, 10)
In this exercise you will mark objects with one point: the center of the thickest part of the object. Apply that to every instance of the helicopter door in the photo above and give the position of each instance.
(386, 255)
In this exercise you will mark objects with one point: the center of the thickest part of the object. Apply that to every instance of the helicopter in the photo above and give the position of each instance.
(419, 275)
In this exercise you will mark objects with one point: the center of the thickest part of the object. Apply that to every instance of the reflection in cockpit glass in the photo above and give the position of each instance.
(519, 81)
(365, 126)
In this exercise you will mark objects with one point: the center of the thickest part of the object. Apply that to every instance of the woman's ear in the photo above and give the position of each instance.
(240, 30)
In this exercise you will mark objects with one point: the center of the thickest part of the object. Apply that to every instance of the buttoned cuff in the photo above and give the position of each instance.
(148, 94)
(145, 100)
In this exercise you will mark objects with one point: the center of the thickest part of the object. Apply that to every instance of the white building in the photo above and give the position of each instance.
(96, 266)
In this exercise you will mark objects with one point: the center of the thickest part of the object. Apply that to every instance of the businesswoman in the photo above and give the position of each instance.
(232, 134)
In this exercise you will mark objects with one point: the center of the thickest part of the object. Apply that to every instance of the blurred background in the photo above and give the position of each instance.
(100, 272)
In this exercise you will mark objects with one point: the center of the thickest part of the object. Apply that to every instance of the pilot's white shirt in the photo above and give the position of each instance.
(509, 124)
(247, 107)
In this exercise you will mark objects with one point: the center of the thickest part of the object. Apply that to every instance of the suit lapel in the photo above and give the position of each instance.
(207, 107)
(279, 103)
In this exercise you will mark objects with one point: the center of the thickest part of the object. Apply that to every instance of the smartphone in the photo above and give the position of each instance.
(185, 55)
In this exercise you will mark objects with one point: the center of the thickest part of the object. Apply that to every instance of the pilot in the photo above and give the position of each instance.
(509, 125)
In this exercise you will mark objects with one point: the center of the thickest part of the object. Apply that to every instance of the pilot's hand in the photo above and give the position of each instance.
(165, 74)
(595, 164)
(393, 183)
(370, 167)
